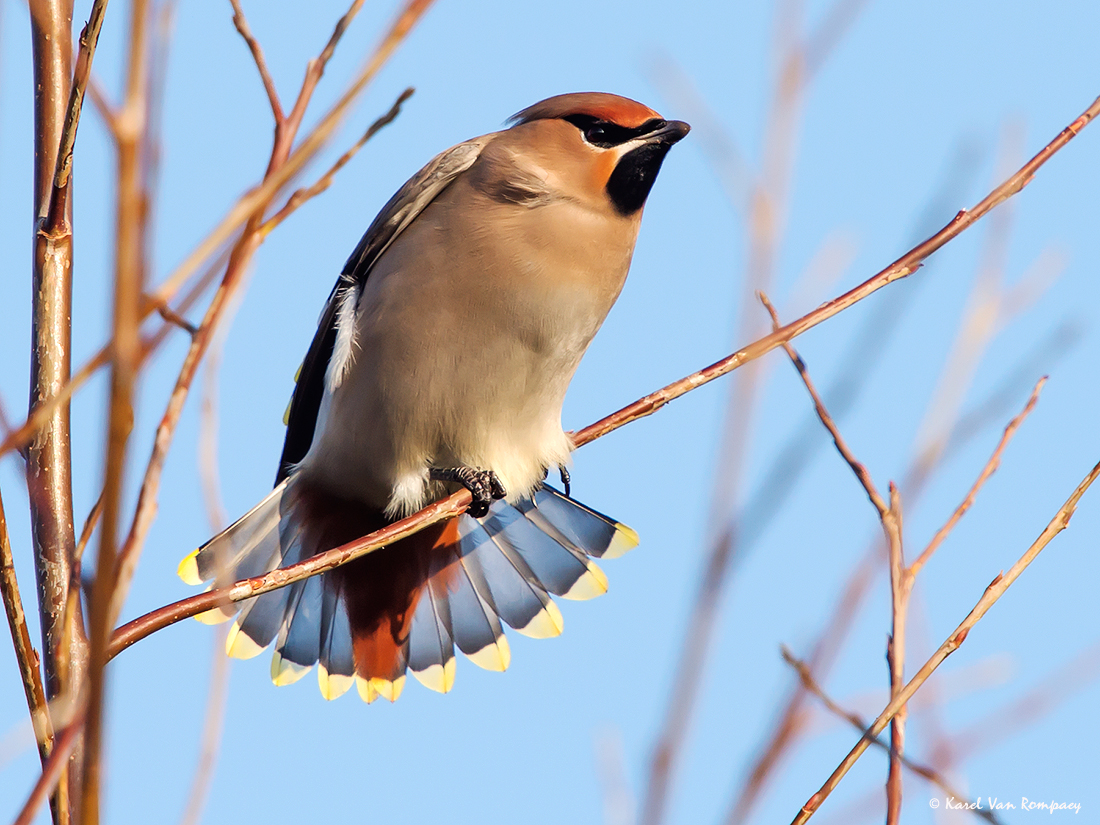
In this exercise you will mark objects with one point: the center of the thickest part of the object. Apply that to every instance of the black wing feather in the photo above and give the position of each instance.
(305, 404)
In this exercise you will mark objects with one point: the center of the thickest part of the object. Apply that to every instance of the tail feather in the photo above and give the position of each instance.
(518, 595)
(298, 646)
(407, 606)
(474, 617)
(431, 641)
(261, 618)
(336, 660)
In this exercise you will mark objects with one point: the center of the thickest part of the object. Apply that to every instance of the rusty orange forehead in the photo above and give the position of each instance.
(612, 108)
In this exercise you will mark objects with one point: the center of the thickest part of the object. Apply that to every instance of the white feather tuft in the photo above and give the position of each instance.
(343, 353)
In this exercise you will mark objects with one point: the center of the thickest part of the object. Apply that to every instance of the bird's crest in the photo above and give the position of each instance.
(612, 108)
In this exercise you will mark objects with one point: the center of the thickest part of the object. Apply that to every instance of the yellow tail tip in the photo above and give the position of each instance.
(625, 540)
(188, 569)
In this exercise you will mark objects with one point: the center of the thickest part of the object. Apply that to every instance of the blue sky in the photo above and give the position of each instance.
(911, 89)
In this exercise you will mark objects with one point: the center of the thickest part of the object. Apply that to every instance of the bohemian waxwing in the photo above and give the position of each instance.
(441, 360)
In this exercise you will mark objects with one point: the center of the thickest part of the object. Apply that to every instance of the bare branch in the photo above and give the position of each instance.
(993, 592)
(890, 516)
(125, 363)
(988, 470)
(51, 771)
(56, 214)
(842, 447)
(300, 196)
(241, 23)
(25, 653)
(316, 67)
(49, 456)
(806, 677)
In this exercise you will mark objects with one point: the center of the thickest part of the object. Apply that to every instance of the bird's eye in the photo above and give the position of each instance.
(595, 134)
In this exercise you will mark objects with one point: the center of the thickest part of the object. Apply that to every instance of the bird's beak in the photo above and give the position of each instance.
(670, 132)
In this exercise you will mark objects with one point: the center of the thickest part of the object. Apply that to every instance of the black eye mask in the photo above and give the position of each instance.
(605, 134)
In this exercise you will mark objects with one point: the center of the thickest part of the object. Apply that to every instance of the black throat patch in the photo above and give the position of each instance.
(629, 185)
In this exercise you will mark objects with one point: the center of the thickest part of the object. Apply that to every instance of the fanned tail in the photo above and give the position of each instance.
(407, 606)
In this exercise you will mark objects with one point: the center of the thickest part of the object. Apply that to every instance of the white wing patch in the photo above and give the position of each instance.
(343, 353)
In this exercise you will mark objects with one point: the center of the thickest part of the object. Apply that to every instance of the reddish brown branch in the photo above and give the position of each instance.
(300, 196)
(51, 771)
(49, 456)
(25, 654)
(57, 213)
(890, 517)
(901, 586)
(827, 421)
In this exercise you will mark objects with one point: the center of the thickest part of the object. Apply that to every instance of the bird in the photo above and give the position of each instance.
(441, 362)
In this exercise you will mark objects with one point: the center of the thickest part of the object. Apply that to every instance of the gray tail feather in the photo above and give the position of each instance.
(504, 567)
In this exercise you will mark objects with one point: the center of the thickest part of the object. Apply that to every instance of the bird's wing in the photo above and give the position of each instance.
(408, 202)
(401, 210)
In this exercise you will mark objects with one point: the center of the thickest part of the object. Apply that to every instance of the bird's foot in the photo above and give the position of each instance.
(563, 472)
(484, 486)
(565, 478)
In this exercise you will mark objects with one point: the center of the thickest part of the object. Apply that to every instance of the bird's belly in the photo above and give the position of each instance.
(429, 388)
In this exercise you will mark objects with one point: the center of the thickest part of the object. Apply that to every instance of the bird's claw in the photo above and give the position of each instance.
(484, 486)
(565, 477)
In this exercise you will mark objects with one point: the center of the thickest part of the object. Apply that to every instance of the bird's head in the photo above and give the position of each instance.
(603, 145)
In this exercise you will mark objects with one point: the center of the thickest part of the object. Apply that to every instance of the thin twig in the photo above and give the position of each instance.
(993, 592)
(988, 470)
(842, 447)
(25, 654)
(56, 216)
(806, 677)
(51, 771)
(316, 68)
(245, 32)
(300, 196)
(901, 587)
